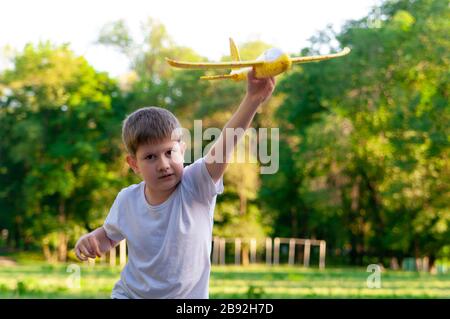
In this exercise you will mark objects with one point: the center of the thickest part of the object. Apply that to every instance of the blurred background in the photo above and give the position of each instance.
(363, 142)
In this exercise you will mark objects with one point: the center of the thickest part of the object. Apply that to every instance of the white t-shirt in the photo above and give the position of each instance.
(169, 244)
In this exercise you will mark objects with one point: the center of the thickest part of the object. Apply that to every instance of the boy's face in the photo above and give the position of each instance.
(160, 165)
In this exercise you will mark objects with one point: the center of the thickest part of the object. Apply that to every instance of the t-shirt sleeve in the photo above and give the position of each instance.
(112, 224)
(197, 179)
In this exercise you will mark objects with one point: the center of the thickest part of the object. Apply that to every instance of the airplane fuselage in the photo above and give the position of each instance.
(275, 62)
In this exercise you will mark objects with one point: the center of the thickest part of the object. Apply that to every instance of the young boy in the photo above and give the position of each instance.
(167, 219)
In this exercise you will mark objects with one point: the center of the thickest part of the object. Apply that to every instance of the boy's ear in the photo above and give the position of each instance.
(131, 160)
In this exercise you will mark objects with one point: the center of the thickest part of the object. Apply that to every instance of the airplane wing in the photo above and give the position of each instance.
(208, 65)
(306, 59)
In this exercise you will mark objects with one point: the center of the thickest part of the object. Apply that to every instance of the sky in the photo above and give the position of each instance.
(203, 25)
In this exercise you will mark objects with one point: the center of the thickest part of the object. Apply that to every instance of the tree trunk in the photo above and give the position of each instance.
(62, 236)
(355, 229)
(245, 253)
(17, 232)
(49, 256)
(62, 247)
(242, 204)
(294, 222)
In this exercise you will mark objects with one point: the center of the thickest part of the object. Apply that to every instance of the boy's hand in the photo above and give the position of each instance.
(259, 90)
(87, 246)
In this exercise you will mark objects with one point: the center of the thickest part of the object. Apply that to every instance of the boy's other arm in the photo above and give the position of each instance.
(93, 244)
(258, 90)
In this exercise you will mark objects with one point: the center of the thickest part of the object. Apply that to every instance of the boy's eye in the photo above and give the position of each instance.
(150, 157)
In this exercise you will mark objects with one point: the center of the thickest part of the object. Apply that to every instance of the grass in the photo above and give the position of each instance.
(41, 280)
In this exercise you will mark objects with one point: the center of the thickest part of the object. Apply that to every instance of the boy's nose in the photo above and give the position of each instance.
(163, 164)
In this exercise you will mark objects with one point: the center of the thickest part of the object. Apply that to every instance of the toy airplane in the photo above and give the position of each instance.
(272, 62)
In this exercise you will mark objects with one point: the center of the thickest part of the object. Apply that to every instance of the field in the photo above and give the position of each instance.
(40, 280)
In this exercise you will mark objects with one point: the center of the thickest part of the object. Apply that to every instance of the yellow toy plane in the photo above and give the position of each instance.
(272, 62)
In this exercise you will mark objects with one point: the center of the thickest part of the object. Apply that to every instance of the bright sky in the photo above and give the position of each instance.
(203, 25)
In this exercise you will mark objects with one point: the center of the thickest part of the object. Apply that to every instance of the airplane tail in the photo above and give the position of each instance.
(234, 53)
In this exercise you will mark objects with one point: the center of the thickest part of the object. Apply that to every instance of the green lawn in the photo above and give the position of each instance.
(40, 280)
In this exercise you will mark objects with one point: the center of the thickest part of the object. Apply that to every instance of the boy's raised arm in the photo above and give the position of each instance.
(258, 90)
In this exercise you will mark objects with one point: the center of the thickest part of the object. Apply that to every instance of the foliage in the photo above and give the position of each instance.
(58, 163)
(371, 149)
(363, 149)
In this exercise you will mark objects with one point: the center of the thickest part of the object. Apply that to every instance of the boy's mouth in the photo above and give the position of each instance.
(165, 176)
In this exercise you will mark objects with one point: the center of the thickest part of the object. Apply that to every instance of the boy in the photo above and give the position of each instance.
(167, 219)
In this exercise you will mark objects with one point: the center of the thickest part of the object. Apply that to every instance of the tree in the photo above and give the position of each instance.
(57, 115)
(368, 135)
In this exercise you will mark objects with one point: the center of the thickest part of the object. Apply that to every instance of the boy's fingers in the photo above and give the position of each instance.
(94, 245)
(83, 244)
(89, 247)
(79, 255)
(85, 252)
(252, 78)
(272, 80)
(251, 74)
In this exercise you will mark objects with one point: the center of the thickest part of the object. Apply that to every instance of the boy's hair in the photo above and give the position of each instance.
(148, 125)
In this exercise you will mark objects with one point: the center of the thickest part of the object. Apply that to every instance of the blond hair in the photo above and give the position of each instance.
(149, 125)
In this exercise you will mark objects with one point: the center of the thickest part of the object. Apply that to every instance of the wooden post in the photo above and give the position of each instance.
(237, 251)
(253, 250)
(123, 253)
(112, 256)
(426, 264)
(291, 251)
(419, 264)
(222, 251)
(215, 258)
(323, 246)
(276, 251)
(306, 253)
(268, 251)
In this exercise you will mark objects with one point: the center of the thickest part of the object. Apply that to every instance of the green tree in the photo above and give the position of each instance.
(58, 155)
(369, 136)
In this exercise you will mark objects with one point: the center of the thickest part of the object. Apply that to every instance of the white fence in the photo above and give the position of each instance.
(271, 248)
(299, 251)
